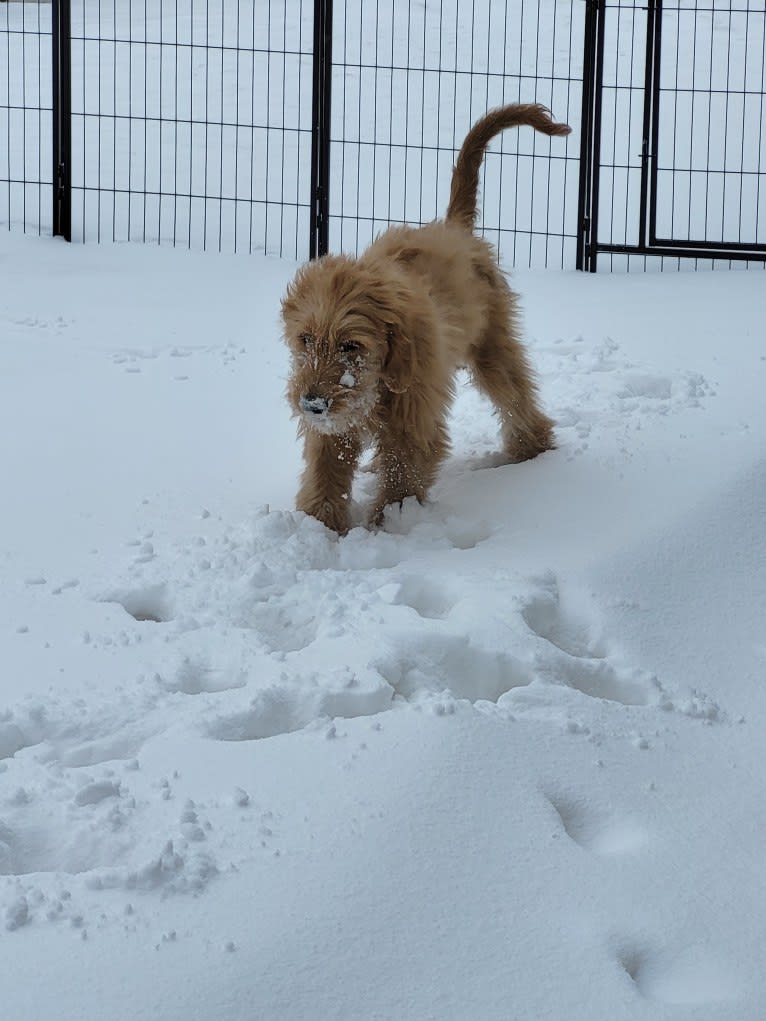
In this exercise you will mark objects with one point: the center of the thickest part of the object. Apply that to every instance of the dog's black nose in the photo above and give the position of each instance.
(314, 405)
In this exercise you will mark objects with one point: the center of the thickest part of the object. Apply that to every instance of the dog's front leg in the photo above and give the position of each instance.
(325, 491)
(407, 467)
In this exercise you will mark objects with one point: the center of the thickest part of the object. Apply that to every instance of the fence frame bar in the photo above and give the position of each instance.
(61, 33)
(590, 136)
(319, 226)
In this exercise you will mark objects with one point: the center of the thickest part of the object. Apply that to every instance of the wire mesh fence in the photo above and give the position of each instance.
(287, 126)
(26, 116)
(190, 122)
(681, 144)
(410, 78)
(710, 149)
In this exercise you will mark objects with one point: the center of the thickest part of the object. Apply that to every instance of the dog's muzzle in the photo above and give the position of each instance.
(313, 406)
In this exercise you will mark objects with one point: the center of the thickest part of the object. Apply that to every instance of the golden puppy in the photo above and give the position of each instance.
(375, 342)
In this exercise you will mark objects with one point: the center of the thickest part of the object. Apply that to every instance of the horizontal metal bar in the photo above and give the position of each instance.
(676, 253)
(26, 108)
(487, 228)
(171, 44)
(26, 181)
(456, 72)
(187, 196)
(696, 10)
(188, 122)
(735, 246)
(708, 172)
(40, 33)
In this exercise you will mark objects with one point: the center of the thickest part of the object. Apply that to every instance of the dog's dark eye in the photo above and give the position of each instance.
(349, 347)
(306, 339)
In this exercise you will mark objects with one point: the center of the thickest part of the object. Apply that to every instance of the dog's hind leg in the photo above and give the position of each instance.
(500, 369)
(325, 491)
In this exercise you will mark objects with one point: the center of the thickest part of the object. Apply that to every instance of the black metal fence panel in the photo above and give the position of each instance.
(26, 116)
(679, 138)
(191, 123)
(710, 148)
(409, 79)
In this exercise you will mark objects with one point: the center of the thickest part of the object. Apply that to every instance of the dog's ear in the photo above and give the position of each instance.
(399, 365)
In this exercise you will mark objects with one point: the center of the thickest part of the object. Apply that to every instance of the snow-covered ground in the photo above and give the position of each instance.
(503, 759)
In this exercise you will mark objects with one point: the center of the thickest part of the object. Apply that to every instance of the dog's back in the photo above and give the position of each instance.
(456, 270)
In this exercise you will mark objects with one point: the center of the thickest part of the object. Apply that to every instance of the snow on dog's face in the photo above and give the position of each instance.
(334, 381)
(343, 342)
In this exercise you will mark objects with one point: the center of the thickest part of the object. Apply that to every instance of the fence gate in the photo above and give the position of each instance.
(674, 138)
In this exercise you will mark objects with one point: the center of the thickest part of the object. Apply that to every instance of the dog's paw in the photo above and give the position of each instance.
(334, 517)
(395, 516)
(523, 448)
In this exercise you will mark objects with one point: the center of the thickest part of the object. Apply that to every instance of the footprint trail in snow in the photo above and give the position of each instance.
(245, 634)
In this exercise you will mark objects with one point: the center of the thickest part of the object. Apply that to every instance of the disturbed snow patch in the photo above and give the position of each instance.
(305, 626)
(265, 630)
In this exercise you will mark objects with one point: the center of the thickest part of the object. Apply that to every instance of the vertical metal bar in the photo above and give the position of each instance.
(654, 140)
(647, 153)
(9, 121)
(98, 127)
(517, 145)
(596, 157)
(616, 49)
(323, 196)
(267, 142)
(222, 112)
(587, 167)
(23, 119)
(206, 125)
(320, 129)
(316, 104)
(359, 149)
(129, 194)
(238, 55)
(252, 130)
(62, 119)
(115, 122)
(160, 182)
(39, 122)
(585, 118)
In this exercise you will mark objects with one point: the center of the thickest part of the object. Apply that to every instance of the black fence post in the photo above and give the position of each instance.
(590, 140)
(655, 8)
(320, 129)
(62, 119)
(648, 147)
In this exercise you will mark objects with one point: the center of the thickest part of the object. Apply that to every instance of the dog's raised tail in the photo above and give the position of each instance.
(463, 199)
